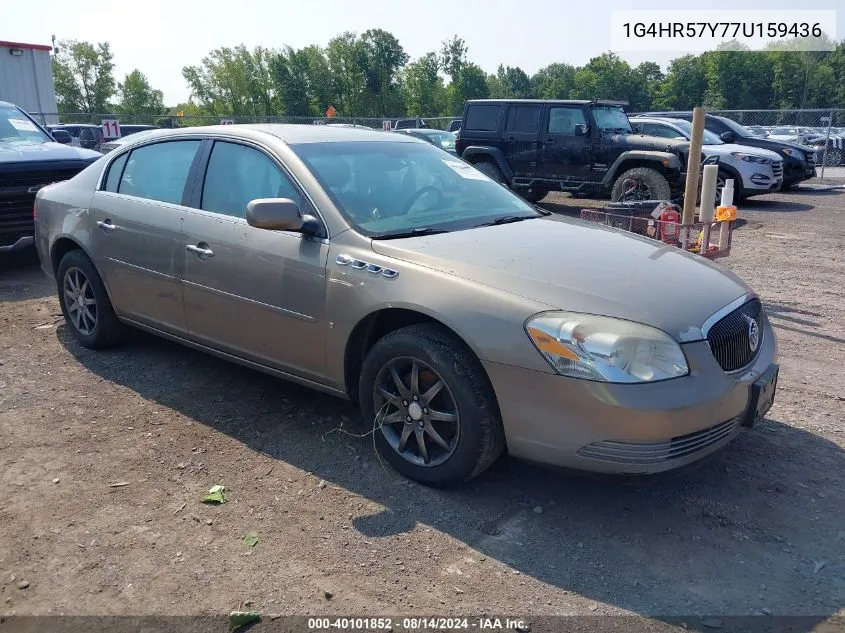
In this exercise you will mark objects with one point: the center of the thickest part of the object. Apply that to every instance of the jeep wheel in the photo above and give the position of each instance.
(640, 183)
(533, 195)
(490, 170)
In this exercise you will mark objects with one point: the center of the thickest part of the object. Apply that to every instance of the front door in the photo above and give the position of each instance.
(522, 134)
(251, 292)
(567, 152)
(137, 231)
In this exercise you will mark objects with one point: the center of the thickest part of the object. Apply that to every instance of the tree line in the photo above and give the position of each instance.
(371, 75)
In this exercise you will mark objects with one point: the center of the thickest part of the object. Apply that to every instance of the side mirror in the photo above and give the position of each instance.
(727, 137)
(280, 214)
(581, 129)
(61, 136)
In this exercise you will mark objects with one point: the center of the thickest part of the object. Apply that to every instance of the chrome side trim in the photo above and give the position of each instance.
(373, 269)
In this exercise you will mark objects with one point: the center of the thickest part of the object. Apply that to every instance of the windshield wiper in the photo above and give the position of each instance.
(411, 233)
(507, 219)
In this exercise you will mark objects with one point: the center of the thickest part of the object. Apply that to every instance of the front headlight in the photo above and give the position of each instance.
(750, 158)
(794, 153)
(606, 349)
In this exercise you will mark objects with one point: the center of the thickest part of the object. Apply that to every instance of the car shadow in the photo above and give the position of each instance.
(21, 277)
(777, 205)
(698, 541)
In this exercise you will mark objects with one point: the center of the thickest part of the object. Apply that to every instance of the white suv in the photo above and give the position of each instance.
(754, 170)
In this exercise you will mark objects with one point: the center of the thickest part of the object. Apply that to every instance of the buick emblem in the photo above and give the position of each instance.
(753, 334)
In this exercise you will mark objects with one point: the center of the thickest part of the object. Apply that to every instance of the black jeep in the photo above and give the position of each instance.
(583, 147)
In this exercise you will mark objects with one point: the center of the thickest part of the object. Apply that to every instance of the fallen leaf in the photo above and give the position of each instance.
(215, 494)
(238, 619)
(251, 539)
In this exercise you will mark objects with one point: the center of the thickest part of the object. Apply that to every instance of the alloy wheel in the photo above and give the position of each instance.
(79, 301)
(416, 411)
(634, 190)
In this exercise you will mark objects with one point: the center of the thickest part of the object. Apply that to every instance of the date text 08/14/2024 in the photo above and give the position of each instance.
(416, 624)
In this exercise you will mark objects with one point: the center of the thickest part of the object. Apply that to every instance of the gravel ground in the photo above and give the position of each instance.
(757, 529)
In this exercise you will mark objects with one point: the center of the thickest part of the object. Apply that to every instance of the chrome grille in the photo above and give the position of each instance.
(729, 337)
(777, 169)
(659, 452)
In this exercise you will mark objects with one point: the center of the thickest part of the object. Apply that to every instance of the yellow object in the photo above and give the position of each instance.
(725, 213)
(551, 345)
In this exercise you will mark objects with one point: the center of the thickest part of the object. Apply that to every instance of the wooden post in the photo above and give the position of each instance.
(693, 165)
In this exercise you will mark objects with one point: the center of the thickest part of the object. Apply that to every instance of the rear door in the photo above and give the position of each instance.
(565, 154)
(522, 134)
(251, 292)
(137, 231)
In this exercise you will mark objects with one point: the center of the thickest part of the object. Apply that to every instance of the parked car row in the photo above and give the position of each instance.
(377, 267)
(811, 136)
(90, 136)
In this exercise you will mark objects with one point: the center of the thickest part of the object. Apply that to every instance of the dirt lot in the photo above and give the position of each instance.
(758, 529)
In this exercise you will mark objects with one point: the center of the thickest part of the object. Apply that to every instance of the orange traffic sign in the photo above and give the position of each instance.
(330, 112)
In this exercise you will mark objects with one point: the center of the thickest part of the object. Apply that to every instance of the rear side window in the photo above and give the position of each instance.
(159, 171)
(484, 118)
(238, 174)
(115, 171)
(524, 118)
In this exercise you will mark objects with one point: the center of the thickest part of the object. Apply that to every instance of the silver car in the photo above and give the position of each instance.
(379, 268)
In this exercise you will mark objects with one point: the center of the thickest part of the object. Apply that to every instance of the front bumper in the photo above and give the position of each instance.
(795, 171)
(18, 245)
(660, 426)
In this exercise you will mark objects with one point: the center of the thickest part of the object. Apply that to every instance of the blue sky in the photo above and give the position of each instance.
(161, 37)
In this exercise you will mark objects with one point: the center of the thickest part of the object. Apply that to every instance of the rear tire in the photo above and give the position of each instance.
(463, 411)
(85, 303)
(651, 185)
(490, 170)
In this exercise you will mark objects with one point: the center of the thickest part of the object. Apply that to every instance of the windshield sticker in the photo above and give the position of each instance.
(22, 125)
(465, 171)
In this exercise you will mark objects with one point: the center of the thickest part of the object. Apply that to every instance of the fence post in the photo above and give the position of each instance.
(826, 141)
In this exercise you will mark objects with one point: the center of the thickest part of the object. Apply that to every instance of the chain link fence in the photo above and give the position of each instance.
(173, 121)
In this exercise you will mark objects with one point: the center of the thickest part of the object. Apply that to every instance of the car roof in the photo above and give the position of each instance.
(291, 134)
(424, 130)
(74, 125)
(566, 101)
(662, 119)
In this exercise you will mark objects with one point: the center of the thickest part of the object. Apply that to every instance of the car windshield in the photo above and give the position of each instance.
(735, 127)
(395, 188)
(16, 126)
(708, 139)
(446, 140)
(612, 118)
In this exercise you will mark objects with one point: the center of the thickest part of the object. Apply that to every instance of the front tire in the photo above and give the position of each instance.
(533, 195)
(490, 170)
(640, 183)
(85, 303)
(434, 415)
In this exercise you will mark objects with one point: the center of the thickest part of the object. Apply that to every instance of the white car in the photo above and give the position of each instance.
(754, 170)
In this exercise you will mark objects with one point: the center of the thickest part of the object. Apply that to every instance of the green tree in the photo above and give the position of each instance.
(555, 81)
(608, 77)
(290, 71)
(384, 57)
(738, 79)
(347, 61)
(467, 80)
(424, 90)
(136, 96)
(82, 74)
(509, 83)
(684, 85)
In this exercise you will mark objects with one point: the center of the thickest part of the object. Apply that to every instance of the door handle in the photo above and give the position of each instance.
(550, 141)
(106, 225)
(199, 250)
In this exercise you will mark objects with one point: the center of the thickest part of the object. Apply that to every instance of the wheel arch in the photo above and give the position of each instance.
(65, 244)
(478, 153)
(375, 325)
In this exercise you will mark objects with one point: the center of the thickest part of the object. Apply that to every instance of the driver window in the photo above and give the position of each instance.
(564, 120)
(238, 174)
(653, 129)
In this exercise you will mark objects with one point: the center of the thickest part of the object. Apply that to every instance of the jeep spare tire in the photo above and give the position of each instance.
(640, 183)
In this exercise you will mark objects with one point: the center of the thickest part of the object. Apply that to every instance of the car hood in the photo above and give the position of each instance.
(730, 148)
(572, 265)
(774, 145)
(653, 143)
(27, 151)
